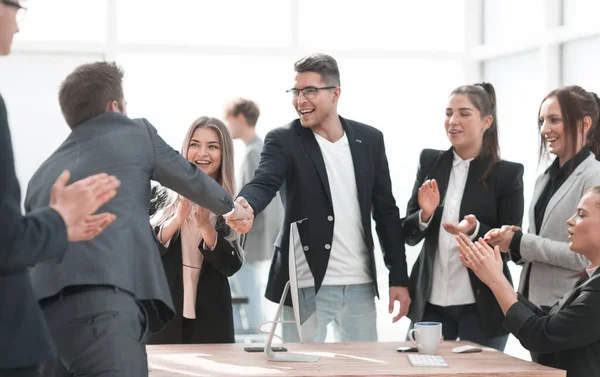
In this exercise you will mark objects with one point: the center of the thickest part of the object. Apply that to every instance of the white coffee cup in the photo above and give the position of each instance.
(428, 337)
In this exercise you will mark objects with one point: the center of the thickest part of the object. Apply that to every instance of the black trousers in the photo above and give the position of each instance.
(461, 322)
(21, 372)
(98, 331)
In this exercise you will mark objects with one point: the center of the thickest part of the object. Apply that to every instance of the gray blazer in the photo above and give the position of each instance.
(266, 226)
(126, 254)
(553, 264)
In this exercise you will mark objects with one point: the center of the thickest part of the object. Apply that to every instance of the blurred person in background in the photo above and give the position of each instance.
(241, 116)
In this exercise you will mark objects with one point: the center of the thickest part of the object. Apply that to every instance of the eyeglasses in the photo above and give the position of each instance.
(21, 10)
(308, 93)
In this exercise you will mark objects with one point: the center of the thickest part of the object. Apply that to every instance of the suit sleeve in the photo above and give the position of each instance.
(567, 328)
(225, 258)
(270, 174)
(39, 236)
(172, 170)
(387, 221)
(534, 248)
(412, 232)
(510, 202)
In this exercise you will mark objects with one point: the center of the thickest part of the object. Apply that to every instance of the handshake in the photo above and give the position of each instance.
(242, 217)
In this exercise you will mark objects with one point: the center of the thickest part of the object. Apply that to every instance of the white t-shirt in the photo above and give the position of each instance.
(349, 259)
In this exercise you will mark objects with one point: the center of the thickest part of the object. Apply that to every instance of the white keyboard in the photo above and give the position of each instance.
(417, 360)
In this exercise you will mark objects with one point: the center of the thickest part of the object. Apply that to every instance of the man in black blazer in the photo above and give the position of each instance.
(333, 172)
(40, 236)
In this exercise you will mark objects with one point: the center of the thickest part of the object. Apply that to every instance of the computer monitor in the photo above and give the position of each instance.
(304, 312)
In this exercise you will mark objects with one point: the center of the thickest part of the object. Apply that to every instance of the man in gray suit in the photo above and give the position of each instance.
(100, 298)
(241, 116)
(25, 345)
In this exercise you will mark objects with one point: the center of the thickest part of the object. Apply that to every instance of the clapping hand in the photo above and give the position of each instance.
(428, 198)
(501, 237)
(466, 226)
(484, 261)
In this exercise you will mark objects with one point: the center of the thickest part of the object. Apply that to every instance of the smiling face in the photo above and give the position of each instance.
(583, 226)
(204, 151)
(316, 111)
(552, 129)
(464, 125)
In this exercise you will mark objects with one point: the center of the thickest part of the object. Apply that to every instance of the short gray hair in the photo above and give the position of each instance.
(323, 64)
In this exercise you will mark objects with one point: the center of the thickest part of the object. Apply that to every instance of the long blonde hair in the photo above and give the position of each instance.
(169, 200)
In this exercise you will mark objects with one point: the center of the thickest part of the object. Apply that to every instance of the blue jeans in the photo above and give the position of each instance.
(350, 308)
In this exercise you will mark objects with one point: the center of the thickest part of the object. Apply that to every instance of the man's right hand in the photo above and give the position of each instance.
(242, 217)
(78, 201)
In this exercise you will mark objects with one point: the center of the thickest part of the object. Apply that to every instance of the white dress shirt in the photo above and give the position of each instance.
(451, 284)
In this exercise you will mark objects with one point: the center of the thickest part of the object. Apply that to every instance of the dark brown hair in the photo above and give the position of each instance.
(87, 90)
(322, 64)
(247, 108)
(575, 104)
(483, 97)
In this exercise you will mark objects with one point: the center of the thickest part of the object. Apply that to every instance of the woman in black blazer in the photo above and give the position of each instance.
(200, 250)
(470, 185)
(567, 336)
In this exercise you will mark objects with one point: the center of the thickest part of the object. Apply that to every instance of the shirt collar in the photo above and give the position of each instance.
(591, 269)
(458, 161)
(569, 166)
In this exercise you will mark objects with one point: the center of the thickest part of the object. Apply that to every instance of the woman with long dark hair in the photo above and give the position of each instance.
(466, 189)
(568, 122)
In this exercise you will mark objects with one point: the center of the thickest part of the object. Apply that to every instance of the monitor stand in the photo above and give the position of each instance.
(283, 356)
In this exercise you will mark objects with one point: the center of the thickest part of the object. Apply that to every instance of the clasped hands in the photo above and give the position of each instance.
(242, 217)
(428, 198)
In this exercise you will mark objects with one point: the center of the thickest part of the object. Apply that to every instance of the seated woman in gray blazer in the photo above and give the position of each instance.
(469, 189)
(567, 336)
(200, 251)
(569, 129)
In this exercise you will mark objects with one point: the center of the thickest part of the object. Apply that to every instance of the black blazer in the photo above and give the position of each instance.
(214, 313)
(568, 337)
(291, 159)
(501, 203)
(24, 240)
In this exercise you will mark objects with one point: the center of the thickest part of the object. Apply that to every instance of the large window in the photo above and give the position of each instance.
(31, 95)
(65, 21)
(399, 60)
(526, 49)
(580, 63)
(230, 23)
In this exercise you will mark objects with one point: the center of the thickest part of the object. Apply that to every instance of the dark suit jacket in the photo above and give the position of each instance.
(291, 159)
(501, 203)
(569, 336)
(24, 241)
(125, 254)
(214, 314)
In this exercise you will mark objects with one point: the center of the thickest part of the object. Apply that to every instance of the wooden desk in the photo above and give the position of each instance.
(337, 359)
